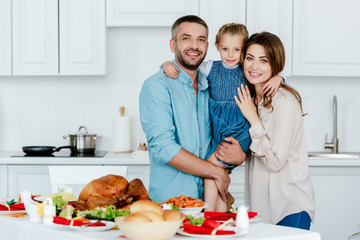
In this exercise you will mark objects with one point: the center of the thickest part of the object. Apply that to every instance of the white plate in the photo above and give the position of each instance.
(12, 212)
(255, 219)
(109, 225)
(238, 232)
(39, 198)
(193, 211)
(42, 198)
(251, 220)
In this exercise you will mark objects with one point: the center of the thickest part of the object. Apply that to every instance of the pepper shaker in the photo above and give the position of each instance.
(242, 217)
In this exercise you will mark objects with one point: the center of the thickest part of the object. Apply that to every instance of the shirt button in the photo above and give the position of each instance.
(190, 81)
(200, 149)
(184, 82)
(194, 93)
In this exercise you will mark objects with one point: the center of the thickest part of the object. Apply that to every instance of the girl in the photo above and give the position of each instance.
(278, 183)
(224, 77)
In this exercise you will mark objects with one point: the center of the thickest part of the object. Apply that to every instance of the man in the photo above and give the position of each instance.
(174, 114)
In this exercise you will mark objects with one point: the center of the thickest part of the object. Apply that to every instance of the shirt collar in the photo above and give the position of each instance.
(183, 76)
(234, 67)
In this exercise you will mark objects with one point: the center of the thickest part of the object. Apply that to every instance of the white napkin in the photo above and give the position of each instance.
(140, 154)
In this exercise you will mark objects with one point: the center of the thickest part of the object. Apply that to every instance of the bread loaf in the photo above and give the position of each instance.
(136, 217)
(171, 215)
(153, 216)
(145, 205)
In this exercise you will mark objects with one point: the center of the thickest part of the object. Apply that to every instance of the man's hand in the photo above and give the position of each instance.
(222, 181)
(186, 162)
(230, 153)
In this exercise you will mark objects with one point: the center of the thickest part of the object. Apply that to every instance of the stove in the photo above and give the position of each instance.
(65, 153)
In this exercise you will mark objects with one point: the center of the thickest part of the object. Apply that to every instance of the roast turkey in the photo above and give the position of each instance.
(111, 190)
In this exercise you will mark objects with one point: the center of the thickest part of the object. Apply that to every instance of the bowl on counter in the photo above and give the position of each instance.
(193, 211)
(148, 230)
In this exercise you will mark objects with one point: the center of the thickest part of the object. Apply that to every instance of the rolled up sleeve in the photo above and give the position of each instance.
(156, 117)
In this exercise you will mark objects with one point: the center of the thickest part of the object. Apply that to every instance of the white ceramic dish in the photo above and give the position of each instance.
(12, 212)
(41, 198)
(251, 220)
(255, 219)
(238, 232)
(109, 225)
(148, 230)
(193, 211)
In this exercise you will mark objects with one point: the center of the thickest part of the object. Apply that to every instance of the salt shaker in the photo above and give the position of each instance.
(49, 211)
(242, 217)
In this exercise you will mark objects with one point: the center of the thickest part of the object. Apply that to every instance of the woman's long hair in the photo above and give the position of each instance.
(275, 53)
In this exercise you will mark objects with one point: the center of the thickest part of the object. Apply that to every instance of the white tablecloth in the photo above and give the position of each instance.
(20, 228)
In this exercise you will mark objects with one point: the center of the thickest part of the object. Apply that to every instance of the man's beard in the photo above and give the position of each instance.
(182, 62)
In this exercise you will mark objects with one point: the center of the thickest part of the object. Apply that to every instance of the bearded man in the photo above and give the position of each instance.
(174, 114)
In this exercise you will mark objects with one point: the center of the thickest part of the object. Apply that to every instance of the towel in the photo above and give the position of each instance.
(13, 207)
(206, 228)
(64, 221)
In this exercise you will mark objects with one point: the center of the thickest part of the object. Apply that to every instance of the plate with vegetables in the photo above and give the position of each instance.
(108, 213)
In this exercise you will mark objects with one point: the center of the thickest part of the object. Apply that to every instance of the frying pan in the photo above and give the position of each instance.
(44, 150)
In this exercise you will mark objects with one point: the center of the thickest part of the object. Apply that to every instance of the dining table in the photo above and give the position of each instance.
(13, 228)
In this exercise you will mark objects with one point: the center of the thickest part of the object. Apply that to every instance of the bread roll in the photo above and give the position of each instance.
(153, 216)
(145, 205)
(136, 217)
(171, 215)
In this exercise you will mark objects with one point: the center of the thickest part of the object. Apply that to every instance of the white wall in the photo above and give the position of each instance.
(41, 110)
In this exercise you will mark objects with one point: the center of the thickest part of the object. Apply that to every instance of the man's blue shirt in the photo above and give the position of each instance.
(173, 116)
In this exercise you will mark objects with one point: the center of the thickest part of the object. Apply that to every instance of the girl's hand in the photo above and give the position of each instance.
(272, 85)
(246, 105)
(170, 70)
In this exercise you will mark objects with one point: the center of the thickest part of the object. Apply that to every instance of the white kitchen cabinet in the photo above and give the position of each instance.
(58, 37)
(139, 171)
(337, 198)
(35, 37)
(217, 13)
(3, 182)
(34, 178)
(5, 39)
(237, 185)
(141, 13)
(326, 38)
(277, 21)
(82, 37)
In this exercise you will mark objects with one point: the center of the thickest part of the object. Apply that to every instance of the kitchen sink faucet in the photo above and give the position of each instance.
(335, 141)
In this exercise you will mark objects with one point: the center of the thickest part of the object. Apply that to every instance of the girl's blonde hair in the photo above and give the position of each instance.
(232, 29)
(275, 53)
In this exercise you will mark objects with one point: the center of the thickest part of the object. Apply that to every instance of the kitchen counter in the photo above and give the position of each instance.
(333, 179)
(127, 159)
(110, 159)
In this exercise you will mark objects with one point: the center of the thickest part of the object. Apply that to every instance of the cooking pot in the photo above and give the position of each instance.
(83, 141)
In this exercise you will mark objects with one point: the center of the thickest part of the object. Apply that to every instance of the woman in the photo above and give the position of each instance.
(278, 182)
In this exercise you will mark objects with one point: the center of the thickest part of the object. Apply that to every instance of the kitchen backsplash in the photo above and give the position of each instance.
(41, 110)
